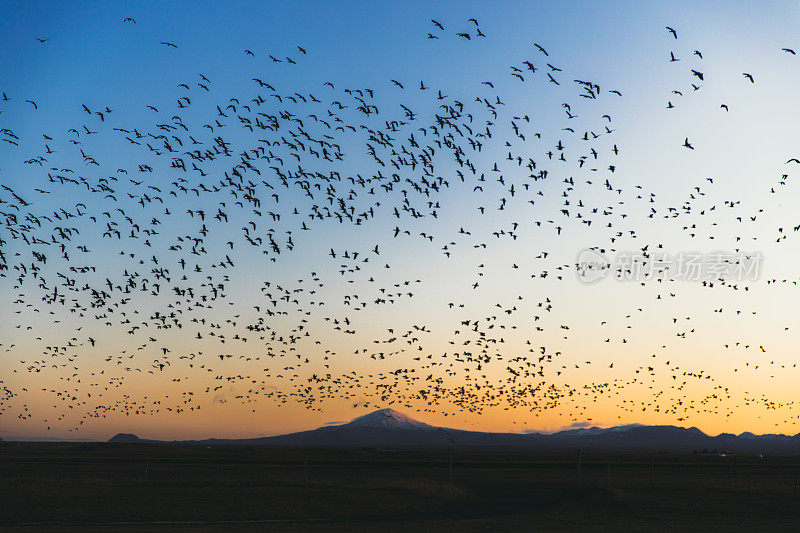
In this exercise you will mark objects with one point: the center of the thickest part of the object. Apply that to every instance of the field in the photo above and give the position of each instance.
(138, 487)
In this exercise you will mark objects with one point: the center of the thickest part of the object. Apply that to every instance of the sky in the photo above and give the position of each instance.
(464, 306)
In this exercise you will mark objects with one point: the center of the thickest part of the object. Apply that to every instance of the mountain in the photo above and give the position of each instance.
(387, 428)
(387, 418)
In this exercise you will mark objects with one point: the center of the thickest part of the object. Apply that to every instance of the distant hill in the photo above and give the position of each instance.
(387, 428)
(127, 438)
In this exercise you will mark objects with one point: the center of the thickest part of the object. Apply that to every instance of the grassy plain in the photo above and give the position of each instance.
(146, 487)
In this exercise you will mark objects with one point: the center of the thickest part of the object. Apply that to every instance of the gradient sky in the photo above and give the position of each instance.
(674, 328)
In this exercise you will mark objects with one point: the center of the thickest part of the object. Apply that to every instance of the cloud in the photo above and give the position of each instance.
(575, 425)
(578, 425)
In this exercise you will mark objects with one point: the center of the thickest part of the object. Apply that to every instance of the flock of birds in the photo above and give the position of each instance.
(169, 259)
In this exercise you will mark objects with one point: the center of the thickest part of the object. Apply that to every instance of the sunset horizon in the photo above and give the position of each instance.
(245, 220)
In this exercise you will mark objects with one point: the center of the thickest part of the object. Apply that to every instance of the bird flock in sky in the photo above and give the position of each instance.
(237, 248)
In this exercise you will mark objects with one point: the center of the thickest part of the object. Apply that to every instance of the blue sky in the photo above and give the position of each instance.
(91, 57)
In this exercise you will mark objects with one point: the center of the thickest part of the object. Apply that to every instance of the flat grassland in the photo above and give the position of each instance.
(147, 487)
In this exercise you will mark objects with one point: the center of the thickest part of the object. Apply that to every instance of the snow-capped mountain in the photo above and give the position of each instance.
(387, 418)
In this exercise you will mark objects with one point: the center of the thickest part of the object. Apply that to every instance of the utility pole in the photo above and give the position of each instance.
(450, 465)
(578, 462)
(450, 456)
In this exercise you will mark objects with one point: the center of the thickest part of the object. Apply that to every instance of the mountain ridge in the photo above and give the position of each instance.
(387, 428)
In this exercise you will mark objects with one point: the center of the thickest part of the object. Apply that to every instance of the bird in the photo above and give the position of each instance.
(216, 239)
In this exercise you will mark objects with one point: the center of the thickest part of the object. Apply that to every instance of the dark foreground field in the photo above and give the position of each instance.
(137, 487)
